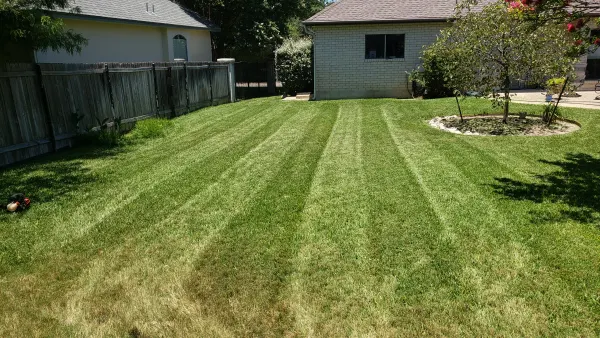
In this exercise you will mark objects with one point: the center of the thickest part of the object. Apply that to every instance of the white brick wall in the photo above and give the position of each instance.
(341, 70)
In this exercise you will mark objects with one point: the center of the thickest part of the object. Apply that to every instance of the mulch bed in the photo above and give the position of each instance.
(493, 126)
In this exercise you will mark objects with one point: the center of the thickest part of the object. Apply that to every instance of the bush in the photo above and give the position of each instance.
(103, 138)
(104, 135)
(433, 76)
(150, 128)
(555, 85)
(293, 61)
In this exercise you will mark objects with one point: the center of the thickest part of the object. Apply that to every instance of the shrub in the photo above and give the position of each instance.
(150, 128)
(433, 76)
(293, 61)
(104, 135)
(555, 85)
(103, 138)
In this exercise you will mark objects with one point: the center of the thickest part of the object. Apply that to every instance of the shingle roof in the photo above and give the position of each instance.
(350, 11)
(160, 12)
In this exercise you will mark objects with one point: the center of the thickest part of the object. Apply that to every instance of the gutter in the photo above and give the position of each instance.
(131, 22)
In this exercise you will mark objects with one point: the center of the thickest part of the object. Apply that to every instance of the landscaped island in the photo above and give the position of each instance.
(494, 125)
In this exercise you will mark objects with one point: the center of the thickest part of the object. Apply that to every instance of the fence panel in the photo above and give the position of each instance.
(220, 82)
(23, 127)
(132, 86)
(34, 120)
(200, 85)
(75, 90)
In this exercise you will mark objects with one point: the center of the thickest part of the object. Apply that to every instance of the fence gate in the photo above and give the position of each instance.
(255, 79)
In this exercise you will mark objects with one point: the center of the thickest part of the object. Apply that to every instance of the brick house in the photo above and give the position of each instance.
(364, 48)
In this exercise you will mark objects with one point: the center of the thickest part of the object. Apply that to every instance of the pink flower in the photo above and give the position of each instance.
(571, 27)
(578, 42)
(597, 42)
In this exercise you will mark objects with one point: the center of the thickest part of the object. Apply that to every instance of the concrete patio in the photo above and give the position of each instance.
(586, 100)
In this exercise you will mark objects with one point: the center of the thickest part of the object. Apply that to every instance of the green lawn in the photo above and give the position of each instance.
(271, 218)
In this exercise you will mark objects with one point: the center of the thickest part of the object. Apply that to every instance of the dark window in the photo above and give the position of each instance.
(394, 46)
(390, 46)
(375, 46)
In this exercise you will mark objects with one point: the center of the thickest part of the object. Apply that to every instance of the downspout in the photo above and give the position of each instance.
(310, 32)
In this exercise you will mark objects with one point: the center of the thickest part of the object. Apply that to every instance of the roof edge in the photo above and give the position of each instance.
(364, 22)
(62, 15)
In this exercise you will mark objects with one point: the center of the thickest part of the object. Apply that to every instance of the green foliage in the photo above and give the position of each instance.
(483, 51)
(27, 24)
(435, 75)
(150, 129)
(293, 62)
(106, 134)
(555, 85)
(252, 29)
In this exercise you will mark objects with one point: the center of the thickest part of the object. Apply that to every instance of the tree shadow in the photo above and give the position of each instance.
(48, 177)
(575, 184)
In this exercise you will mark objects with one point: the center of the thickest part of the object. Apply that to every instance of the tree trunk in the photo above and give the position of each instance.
(506, 97)
(506, 106)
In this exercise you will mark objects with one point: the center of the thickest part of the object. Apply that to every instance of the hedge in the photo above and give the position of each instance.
(293, 61)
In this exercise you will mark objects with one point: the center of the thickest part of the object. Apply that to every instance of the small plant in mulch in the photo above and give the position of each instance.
(492, 125)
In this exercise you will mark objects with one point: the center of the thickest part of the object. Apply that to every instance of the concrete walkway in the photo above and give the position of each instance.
(586, 100)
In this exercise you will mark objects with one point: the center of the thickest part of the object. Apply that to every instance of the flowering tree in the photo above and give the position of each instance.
(485, 50)
(574, 15)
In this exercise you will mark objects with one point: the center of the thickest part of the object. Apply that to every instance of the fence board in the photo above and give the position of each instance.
(85, 89)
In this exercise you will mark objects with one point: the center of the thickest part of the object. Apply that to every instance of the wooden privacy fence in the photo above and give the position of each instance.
(40, 104)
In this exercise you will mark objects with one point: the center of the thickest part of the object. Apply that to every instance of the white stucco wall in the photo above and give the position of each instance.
(198, 43)
(117, 42)
(341, 70)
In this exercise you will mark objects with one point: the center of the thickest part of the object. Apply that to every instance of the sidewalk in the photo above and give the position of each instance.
(586, 100)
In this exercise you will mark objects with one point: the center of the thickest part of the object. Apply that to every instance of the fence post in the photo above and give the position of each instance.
(231, 70)
(46, 108)
(187, 89)
(210, 78)
(271, 78)
(156, 102)
(110, 90)
(170, 91)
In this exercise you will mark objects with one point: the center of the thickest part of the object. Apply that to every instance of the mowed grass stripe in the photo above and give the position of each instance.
(241, 278)
(332, 286)
(410, 257)
(161, 256)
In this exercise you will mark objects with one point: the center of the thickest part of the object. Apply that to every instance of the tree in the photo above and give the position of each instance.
(483, 51)
(573, 15)
(252, 29)
(28, 25)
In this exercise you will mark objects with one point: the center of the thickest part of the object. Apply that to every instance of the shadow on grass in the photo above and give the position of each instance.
(576, 184)
(47, 177)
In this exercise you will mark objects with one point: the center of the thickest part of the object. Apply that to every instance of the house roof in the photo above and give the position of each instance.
(152, 12)
(381, 11)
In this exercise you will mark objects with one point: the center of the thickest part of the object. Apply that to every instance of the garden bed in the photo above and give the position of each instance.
(492, 125)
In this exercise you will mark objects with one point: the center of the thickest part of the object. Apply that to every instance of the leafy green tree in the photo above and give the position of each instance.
(252, 29)
(27, 25)
(483, 51)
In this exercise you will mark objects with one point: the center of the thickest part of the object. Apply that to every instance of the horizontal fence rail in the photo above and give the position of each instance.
(44, 106)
